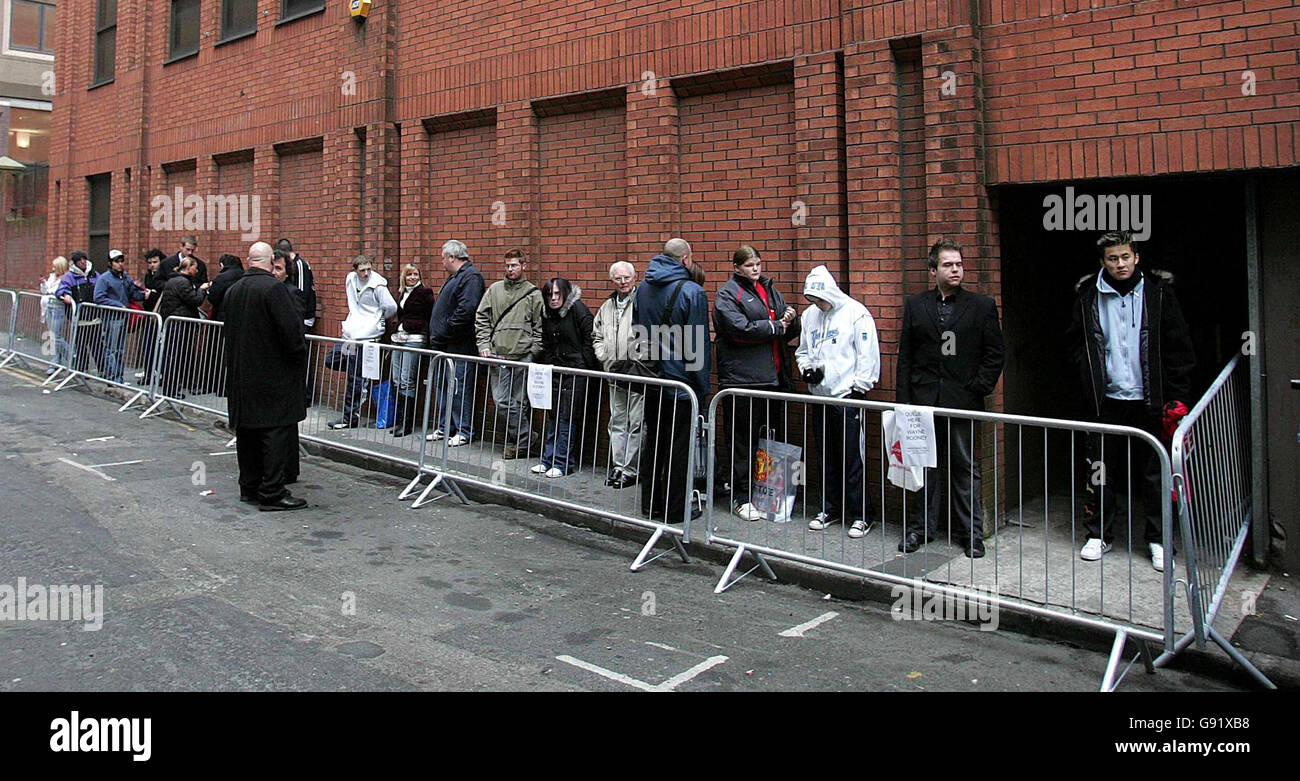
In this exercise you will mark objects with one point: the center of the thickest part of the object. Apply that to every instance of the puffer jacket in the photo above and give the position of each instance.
(681, 351)
(842, 342)
(566, 334)
(369, 305)
(751, 337)
(1168, 358)
(519, 333)
(180, 298)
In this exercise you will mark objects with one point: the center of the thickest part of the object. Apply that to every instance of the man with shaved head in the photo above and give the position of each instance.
(672, 310)
(266, 387)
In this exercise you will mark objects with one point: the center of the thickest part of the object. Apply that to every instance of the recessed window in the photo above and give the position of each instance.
(31, 26)
(184, 29)
(100, 190)
(295, 8)
(238, 17)
(105, 40)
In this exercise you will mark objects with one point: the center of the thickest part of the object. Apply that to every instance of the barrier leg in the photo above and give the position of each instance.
(641, 559)
(424, 495)
(71, 376)
(6, 361)
(152, 410)
(51, 377)
(1108, 682)
(1237, 657)
(726, 581)
(410, 487)
(132, 400)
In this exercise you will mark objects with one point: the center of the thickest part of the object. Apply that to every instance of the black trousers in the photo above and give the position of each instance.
(1114, 460)
(664, 456)
(747, 420)
(266, 456)
(957, 477)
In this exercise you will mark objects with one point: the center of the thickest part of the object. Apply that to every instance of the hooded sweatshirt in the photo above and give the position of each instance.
(681, 351)
(842, 342)
(369, 305)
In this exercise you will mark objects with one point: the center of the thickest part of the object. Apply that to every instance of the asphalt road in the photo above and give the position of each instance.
(204, 593)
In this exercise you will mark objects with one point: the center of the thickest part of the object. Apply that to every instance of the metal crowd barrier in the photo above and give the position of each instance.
(42, 333)
(337, 381)
(484, 401)
(123, 343)
(1037, 488)
(189, 367)
(1212, 469)
(8, 312)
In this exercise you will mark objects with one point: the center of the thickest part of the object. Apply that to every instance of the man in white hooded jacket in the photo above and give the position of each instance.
(369, 305)
(839, 357)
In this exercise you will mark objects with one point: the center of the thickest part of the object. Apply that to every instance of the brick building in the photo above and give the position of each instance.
(844, 132)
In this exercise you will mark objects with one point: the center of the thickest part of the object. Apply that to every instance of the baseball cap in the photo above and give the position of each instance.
(114, 254)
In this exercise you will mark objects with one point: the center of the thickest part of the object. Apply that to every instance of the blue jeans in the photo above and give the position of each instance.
(114, 344)
(570, 393)
(356, 384)
(56, 318)
(460, 401)
(406, 370)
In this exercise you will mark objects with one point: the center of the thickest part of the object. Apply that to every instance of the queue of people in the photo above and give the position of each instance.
(1128, 339)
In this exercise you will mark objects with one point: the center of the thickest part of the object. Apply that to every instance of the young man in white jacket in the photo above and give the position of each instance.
(839, 357)
(369, 305)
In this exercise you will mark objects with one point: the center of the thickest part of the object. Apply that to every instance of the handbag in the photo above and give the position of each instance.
(385, 404)
(776, 479)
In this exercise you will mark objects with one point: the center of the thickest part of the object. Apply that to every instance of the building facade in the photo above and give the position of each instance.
(850, 133)
(26, 86)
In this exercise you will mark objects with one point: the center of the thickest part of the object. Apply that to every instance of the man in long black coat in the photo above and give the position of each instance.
(950, 354)
(266, 369)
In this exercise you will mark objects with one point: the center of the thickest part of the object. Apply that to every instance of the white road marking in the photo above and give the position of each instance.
(798, 631)
(660, 645)
(100, 439)
(680, 678)
(667, 686)
(123, 463)
(224, 453)
(90, 469)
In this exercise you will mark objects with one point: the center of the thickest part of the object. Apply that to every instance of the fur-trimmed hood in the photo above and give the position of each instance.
(575, 295)
(1159, 276)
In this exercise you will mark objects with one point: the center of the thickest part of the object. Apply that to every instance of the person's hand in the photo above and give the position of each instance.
(205, 286)
(67, 299)
(814, 376)
(788, 316)
(485, 353)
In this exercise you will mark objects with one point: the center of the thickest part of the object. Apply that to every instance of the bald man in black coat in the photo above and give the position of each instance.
(266, 385)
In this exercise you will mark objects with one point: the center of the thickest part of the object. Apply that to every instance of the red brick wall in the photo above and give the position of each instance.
(737, 181)
(463, 105)
(582, 222)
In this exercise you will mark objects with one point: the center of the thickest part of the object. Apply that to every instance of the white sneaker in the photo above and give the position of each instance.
(822, 521)
(458, 440)
(859, 529)
(1093, 549)
(538, 469)
(435, 436)
(555, 472)
(1157, 556)
(748, 512)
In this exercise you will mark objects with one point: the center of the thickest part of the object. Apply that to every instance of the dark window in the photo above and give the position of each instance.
(105, 40)
(31, 26)
(99, 219)
(238, 17)
(185, 28)
(26, 192)
(294, 8)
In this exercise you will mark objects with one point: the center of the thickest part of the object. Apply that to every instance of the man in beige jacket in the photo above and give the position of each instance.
(612, 338)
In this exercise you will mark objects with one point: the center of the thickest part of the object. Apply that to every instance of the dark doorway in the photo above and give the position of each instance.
(1197, 232)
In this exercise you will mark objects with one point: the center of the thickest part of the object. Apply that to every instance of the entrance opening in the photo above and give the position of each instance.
(1197, 232)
